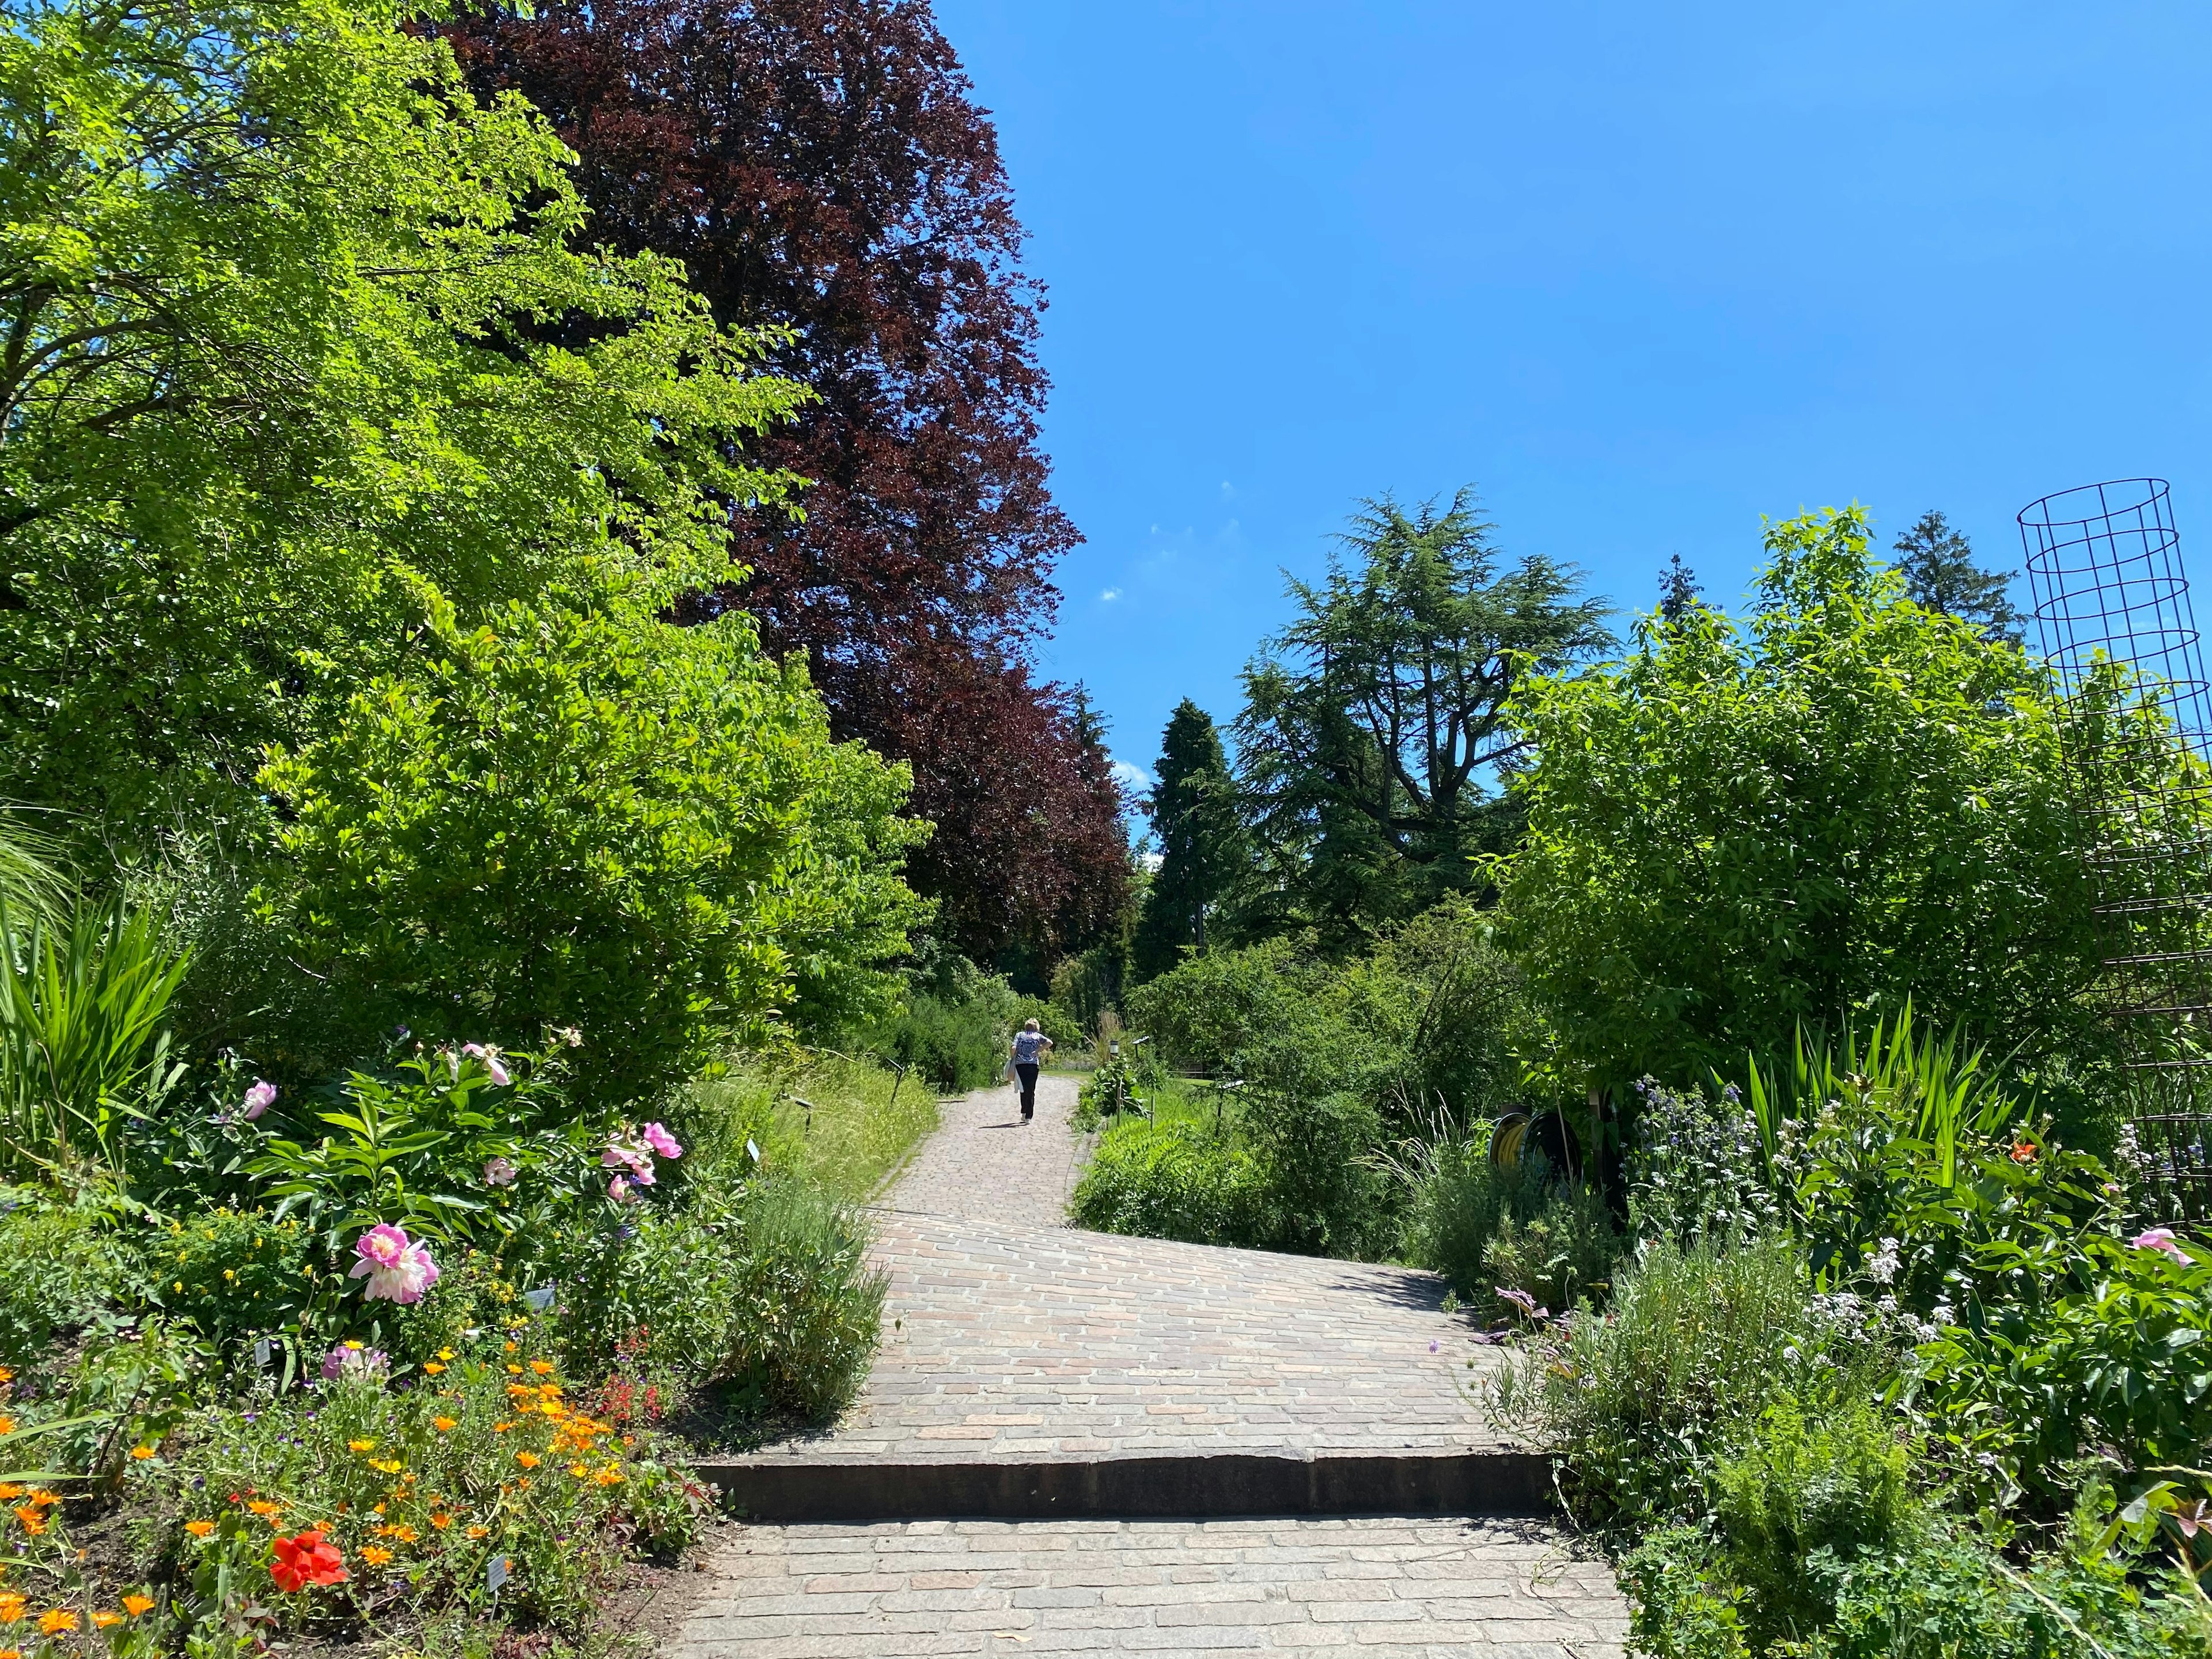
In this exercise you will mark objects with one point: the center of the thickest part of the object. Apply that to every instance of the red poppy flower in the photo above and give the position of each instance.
(306, 1559)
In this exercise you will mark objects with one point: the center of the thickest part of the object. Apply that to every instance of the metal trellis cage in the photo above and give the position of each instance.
(2113, 608)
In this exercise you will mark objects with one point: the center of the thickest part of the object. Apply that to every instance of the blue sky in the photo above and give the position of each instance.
(1638, 274)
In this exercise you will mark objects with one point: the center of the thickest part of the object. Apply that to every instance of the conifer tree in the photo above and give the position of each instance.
(1937, 564)
(1193, 812)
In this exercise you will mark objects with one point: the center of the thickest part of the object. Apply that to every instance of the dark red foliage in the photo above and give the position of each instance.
(819, 166)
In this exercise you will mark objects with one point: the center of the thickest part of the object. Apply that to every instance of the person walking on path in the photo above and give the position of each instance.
(1031, 1045)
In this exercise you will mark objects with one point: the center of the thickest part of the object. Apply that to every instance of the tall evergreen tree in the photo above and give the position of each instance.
(1937, 564)
(1678, 589)
(1193, 812)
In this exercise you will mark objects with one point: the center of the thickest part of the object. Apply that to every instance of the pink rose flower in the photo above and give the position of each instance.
(2162, 1238)
(397, 1269)
(491, 1058)
(618, 1189)
(625, 1154)
(499, 1172)
(657, 1137)
(260, 1098)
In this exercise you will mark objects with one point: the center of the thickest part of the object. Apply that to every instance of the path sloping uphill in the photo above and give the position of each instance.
(1074, 1442)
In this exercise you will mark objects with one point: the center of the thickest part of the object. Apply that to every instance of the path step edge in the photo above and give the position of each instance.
(1215, 1483)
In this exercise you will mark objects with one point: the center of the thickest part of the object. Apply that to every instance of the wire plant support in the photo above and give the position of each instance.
(2120, 636)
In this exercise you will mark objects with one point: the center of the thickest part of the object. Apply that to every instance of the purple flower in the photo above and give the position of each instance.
(260, 1098)
(352, 1358)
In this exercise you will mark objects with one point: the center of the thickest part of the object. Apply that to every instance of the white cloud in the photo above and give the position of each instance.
(1111, 594)
(1133, 777)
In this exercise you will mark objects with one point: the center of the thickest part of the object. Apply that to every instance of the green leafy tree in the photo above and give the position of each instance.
(1194, 814)
(568, 815)
(1847, 800)
(1374, 730)
(1937, 564)
(287, 320)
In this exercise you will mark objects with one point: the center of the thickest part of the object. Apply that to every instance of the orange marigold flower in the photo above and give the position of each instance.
(543, 1367)
(432, 1367)
(6, 1425)
(33, 1522)
(199, 1528)
(444, 1424)
(11, 1607)
(479, 1532)
(6, 1375)
(11, 1653)
(57, 1620)
(134, 1605)
(376, 1555)
(10, 1492)
(609, 1476)
(361, 1445)
(528, 1460)
(441, 1520)
(142, 1453)
(265, 1509)
(42, 1496)
(102, 1619)
(500, 1428)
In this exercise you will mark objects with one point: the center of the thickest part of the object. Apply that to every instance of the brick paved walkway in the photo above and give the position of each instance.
(1495, 1589)
(1013, 1344)
(1017, 1342)
(984, 1162)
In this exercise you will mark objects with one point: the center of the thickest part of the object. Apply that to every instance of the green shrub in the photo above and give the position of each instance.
(953, 1028)
(1832, 1483)
(231, 1273)
(62, 1267)
(1325, 1194)
(1486, 1228)
(1694, 1344)
(1563, 1252)
(1068, 1034)
(1172, 1181)
(846, 1123)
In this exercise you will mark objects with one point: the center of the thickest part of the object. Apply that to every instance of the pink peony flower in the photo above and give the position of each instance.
(657, 1137)
(2162, 1238)
(398, 1270)
(622, 1154)
(260, 1098)
(491, 1058)
(618, 1189)
(500, 1171)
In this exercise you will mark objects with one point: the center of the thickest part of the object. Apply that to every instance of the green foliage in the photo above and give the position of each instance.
(437, 1480)
(585, 816)
(1937, 564)
(62, 1268)
(841, 1123)
(1175, 1180)
(1196, 819)
(1373, 723)
(84, 1047)
(1695, 1342)
(1834, 1483)
(762, 1285)
(1562, 1253)
(953, 1028)
(1847, 801)
(1700, 1166)
(230, 1273)
(301, 324)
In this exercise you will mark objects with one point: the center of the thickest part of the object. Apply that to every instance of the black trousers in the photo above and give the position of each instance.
(1028, 1074)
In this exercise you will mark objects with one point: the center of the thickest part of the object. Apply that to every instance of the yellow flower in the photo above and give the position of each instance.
(361, 1445)
(104, 1619)
(134, 1605)
(444, 1424)
(579, 1470)
(56, 1620)
(142, 1453)
(528, 1460)
(609, 1476)
(375, 1555)
(386, 1465)
(479, 1532)
(199, 1528)
(445, 1353)
(512, 1370)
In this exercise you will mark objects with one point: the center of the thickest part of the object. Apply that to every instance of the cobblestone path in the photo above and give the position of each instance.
(1013, 1345)
(1407, 1588)
(985, 1162)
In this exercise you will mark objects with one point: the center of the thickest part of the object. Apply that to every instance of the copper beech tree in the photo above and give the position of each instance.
(822, 169)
